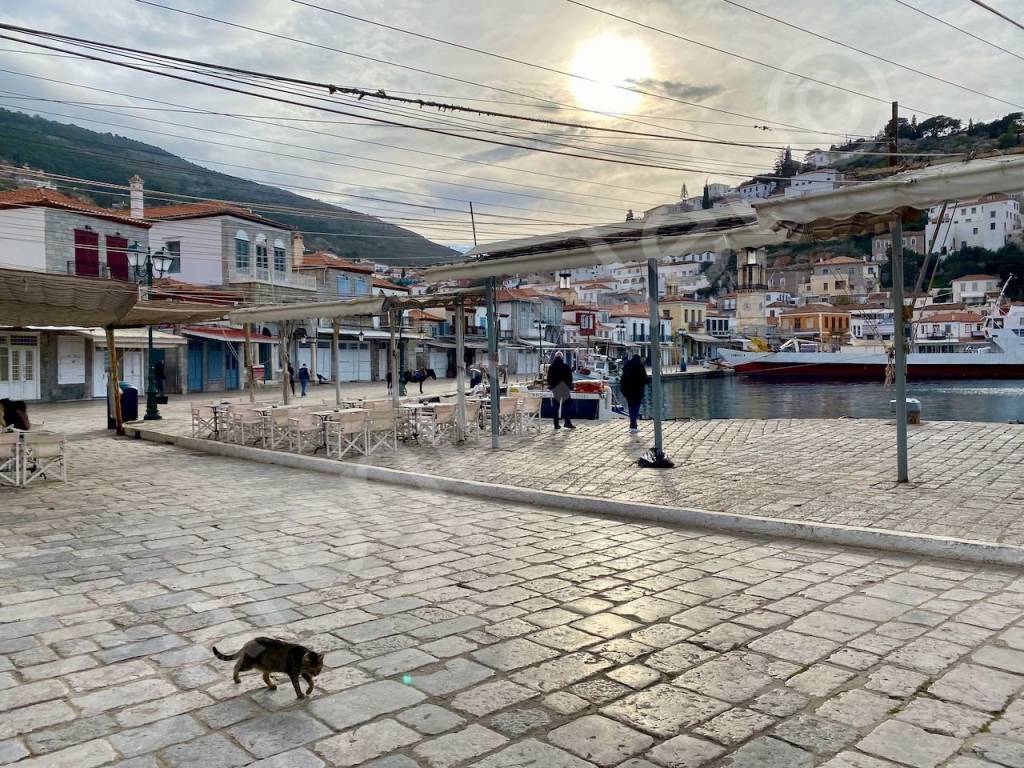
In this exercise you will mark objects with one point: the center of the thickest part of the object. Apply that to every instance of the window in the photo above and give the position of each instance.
(343, 286)
(87, 253)
(173, 250)
(992, 226)
(262, 258)
(975, 230)
(117, 257)
(241, 251)
(280, 258)
(992, 215)
(360, 287)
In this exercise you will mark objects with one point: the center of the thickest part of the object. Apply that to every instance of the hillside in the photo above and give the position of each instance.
(73, 151)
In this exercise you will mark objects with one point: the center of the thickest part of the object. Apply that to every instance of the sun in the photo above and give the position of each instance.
(607, 61)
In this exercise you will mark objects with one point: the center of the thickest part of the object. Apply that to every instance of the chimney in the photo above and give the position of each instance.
(298, 249)
(138, 207)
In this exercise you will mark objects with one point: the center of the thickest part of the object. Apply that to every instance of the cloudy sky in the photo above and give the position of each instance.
(515, 190)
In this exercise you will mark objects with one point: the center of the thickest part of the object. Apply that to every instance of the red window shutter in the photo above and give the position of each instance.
(117, 257)
(87, 253)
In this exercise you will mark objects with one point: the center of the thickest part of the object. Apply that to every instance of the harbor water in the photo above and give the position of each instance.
(742, 397)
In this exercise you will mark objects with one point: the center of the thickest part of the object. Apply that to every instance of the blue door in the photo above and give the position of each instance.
(231, 365)
(215, 365)
(195, 366)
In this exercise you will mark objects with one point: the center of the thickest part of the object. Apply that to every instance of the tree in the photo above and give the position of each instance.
(940, 125)
(785, 165)
(705, 203)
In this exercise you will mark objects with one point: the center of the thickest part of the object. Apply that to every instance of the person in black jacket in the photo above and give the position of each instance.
(560, 384)
(632, 384)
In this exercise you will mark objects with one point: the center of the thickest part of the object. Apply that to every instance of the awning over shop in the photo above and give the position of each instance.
(154, 312)
(703, 338)
(219, 333)
(37, 298)
(471, 344)
(132, 338)
(730, 227)
(358, 307)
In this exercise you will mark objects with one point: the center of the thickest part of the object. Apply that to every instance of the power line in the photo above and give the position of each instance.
(959, 29)
(1000, 14)
(871, 55)
(741, 56)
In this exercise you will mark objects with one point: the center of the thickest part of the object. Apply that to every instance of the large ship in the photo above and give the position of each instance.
(997, 353)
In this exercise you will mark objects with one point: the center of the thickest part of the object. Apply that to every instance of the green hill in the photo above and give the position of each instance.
(69, 150)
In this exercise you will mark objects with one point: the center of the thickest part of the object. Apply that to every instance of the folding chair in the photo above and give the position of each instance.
(245, 425)
(440, 423)
(10, 458)
(276, 427)
(346, 433)
(472, 419)
(305, 431)
(381, 430)
(508, 415)
(529, 414)
(203, 424)
(45, 454)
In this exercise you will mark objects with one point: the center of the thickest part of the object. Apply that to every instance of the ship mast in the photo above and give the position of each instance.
(990, 320)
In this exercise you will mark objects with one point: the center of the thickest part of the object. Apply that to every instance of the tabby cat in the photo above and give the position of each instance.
(269, 655)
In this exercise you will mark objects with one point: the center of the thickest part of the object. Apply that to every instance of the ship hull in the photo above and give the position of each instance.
(876, 372)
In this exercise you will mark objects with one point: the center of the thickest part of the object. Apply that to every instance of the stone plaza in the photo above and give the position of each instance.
(466, 632)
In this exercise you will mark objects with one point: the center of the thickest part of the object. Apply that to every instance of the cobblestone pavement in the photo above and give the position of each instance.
(466, 633)
(966, 476)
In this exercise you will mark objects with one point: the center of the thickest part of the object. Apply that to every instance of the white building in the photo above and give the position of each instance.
(871, 324)
(758, 189)
(818, 158)
(821, 180)
(988, 222)
(971, 289)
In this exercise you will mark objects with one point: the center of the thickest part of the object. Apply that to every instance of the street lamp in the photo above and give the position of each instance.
(143, 263)
(401, 359)
(541, 327)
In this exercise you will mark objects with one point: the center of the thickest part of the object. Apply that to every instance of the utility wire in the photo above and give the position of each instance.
(959, 29)
(906, 67)
(1000, 14)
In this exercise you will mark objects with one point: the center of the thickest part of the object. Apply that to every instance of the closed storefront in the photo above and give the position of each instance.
(19, 365)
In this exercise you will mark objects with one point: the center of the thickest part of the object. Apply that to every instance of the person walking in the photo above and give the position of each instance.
(160, 375)
(560, 384)
(633, 384)
(291, 378)
(303, 379)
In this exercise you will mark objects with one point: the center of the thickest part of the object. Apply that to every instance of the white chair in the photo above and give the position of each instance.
(203, 421)
(508, 415)
(381, 430)
(245, 425)
(473, 428)
(529, 414)
(44, 456)
(346, 433)
(10, 458)
(439, 423)
(275, 427)
(305, 431)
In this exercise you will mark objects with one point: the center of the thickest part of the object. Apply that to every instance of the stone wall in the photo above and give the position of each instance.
(60, 238)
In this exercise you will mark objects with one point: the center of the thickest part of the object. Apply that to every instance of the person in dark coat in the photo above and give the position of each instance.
(303, 379)
(560, 384)
(632, 384)
(291, 378)
(14, 413)
(160, 375)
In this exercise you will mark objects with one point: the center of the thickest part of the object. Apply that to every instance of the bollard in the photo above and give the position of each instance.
(913, 410)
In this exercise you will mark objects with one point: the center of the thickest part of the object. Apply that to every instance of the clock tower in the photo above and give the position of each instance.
(752, 292)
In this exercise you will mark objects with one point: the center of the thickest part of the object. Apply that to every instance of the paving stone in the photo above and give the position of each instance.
(868, 608)
(155, 736)
(816, 734)
(87, 755)
(366, 742)
(169, 706)
(11, 751)
(430, 719)
(606, 625)
(565, 703)
(942, 717)
(908, 744)
(1000, 658)
(733, 677)
(769, 753)
(734, 726)
(397, 662)
(122, 695)
(927, 655)
(518, 722)
(636, 676)
(724, 637)
(80, 730)
(228, 712)
(859, 760)
(393, 761)
(664, 710)
(564, 638)
(560, 672)
(212, 750)
(1002, 751)
(647, 609)
(977, 687)
(454, 748)
(894, 681)
(858, 708)
(791, 646)
(819, 680)
(30, 693)
(36, 716)
(279, 732)
(455, 675)
(678, 658)
(600, 690)
(490, 697)
(532, 753)
(513, 654)
(351, 707)
(831, 626)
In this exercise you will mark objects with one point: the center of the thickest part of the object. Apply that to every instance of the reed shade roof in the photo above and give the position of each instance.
(717, 229)
(357, 307)
(868, 207)
(37, 298)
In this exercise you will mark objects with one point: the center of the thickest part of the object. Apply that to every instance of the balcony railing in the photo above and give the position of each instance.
(253, 274)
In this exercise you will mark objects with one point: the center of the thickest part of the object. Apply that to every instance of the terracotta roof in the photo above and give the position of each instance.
(422, 314)
(323, 259)
(50, 198)
(206, 209)
(631, 310)
(380, 282)
(169, 288)
(975, 277)
(952, 317)
(578, 308)
(840, 260)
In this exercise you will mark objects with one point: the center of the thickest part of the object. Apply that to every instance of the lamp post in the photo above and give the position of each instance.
(682, 351)
(541, 327)
(143, 263)
(401, 359)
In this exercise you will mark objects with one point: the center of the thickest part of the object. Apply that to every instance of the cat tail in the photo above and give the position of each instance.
(226, 656)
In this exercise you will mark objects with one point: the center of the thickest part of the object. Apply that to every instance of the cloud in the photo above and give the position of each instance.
(677, 89)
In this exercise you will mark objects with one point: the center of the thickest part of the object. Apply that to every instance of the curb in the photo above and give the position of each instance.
(825, 533)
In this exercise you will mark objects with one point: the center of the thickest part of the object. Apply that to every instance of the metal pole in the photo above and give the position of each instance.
(247, 356)
(899, 341)
(472, 220)
(396, 374)
(335, 373)
(656, 457)
(460, 370)
(112, 381)
(152, 412)
(894, 140)
(492, 357)
(283, 337)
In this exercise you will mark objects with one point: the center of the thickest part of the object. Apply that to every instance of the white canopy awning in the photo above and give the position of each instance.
(133, 338)
(731, 227)
(358, 307)
(857, 209)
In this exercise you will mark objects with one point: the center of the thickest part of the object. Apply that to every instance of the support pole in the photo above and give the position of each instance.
(460, 370)
(396, 375)
(335, 373)
(112, 382)
(284, 334)
(313, 350)
(655, 458)
(894, 140)
(247, 356)
(492, 358)
(899, 340)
